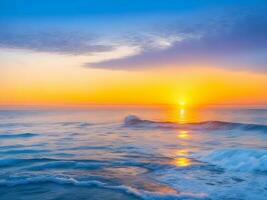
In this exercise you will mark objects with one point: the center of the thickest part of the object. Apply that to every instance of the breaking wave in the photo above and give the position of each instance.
(134, 121)
(146, 195)
(243, 160)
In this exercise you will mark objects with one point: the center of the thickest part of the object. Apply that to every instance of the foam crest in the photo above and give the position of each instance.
(134, 121)
(146, 195)
(244, 160)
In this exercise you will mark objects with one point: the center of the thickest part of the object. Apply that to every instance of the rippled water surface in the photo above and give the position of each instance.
(133, 153)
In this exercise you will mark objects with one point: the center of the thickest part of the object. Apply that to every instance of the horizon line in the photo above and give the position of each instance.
(44, 106)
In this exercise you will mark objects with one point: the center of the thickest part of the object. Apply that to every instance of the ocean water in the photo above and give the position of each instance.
(133, 153)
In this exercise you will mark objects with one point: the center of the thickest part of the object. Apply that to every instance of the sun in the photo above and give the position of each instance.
(182, 103)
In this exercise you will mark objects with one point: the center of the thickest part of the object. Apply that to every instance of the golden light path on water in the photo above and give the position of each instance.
(183, 135)
(182, 162)
(181, 159)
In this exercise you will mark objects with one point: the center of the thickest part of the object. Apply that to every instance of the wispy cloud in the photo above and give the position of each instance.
(52, 41)
(234, 38)
(234, 43)
(114, 54)
(97, 45)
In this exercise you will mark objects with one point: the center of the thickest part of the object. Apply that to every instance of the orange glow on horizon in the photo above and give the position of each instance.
(40, 82)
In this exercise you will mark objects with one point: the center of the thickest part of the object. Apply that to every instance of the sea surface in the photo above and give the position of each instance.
(133, 153)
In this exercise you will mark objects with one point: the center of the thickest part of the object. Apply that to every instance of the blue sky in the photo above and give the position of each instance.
(148, 34)
(33, 8)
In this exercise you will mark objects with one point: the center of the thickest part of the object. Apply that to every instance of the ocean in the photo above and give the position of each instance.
(132, 153)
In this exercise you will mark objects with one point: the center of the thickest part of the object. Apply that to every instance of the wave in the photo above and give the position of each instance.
(15, 124)
(67, 164)
(44, 162)
(24, 151)
(19, 135)
(8, 162)
(40, 164)
(134, 121)
(146, 195)
(243, 160)
(86, 148)
(79, 124)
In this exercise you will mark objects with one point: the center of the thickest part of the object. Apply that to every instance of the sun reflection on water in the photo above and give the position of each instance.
(183, 135)
(182, 115)
(182, 152)
(182, 162)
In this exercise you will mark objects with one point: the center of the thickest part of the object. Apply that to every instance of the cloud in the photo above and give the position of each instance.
(117, 53)
(52, 41)
(232, 42)
(232, 38)
(132, 46)
(82, 39)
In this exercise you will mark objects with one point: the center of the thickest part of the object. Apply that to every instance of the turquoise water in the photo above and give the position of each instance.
(133, 153)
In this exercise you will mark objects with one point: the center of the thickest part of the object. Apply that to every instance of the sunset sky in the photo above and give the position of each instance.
(68, 52)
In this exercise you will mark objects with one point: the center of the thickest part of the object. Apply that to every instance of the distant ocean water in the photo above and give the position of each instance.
(133, 153)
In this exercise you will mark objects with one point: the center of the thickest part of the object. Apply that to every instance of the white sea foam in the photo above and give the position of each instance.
(245, 160)
(215, 184)
(146, 195)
